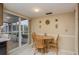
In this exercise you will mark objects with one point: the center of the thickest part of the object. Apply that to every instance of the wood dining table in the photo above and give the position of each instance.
(47, 40)
(46, 43)
(45, 37)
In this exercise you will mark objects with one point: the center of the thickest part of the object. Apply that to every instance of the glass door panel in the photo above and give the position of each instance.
(24, 31)
(10, 28)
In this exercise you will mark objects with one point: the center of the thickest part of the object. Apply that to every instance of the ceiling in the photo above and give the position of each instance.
(27, 9)
(9, 18)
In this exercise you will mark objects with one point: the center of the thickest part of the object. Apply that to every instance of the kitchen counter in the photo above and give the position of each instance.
(4, 39)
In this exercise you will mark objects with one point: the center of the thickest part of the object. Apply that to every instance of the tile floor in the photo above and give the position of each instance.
(27, 50)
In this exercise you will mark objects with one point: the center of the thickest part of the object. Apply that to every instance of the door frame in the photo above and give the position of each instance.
(20, 16)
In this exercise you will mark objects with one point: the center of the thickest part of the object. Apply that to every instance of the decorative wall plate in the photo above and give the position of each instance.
(47, 22)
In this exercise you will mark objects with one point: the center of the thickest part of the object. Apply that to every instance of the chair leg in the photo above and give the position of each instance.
(57, 51)
(34, 50)
(34, 54)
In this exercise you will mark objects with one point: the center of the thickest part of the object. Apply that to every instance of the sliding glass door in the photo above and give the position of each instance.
(11, 30)
(17, 30)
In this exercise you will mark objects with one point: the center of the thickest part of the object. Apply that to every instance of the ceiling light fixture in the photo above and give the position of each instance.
(36, 10)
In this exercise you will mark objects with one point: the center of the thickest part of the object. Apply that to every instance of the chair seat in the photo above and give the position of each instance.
(40, 46)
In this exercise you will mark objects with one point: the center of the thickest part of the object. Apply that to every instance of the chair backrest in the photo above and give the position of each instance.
(33, 36)
(57, 40)
(39, 43)
(57, 37)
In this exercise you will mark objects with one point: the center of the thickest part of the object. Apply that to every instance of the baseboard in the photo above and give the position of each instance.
(68, 52)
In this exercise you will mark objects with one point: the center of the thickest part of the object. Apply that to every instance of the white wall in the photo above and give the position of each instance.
(66, 29)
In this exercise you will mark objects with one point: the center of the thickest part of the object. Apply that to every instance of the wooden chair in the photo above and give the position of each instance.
(38, 43)
(33, 46)
(33, 36)
(54, 45)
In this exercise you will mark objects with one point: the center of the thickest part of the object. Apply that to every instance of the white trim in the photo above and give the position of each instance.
(20, 37)
(28, 31)
(76, 28)
(68, 52)
(61, 35)
(72, 36)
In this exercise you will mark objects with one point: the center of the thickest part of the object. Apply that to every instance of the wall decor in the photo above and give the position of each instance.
(39, 21)
(56, 26)
(56, 20)
(47, 22)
